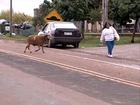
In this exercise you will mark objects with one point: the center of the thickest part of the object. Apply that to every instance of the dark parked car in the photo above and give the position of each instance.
(64, 33)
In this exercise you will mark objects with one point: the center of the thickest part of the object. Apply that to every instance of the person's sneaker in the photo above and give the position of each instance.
(110, 55)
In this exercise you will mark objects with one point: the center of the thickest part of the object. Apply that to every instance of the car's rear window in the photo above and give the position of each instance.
(64, 25)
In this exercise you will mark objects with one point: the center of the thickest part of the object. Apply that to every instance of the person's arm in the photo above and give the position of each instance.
(102, 36)
(116, 34)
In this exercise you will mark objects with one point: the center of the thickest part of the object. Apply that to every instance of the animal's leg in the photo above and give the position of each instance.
(38, 48)
(26, 48)
(29, 48)
(42, 49)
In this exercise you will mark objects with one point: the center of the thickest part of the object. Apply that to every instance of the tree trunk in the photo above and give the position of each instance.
(134, 31)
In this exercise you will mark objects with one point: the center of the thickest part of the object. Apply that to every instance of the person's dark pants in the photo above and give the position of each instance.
(110, 46)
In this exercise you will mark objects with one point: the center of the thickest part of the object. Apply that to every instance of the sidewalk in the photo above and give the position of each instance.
(129, 51)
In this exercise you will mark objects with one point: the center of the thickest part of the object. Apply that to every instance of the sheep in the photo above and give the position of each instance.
(36, 41)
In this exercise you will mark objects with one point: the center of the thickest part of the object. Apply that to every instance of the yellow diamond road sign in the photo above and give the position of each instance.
(53, 16)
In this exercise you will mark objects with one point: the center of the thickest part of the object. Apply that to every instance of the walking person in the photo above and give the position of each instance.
(109, 34)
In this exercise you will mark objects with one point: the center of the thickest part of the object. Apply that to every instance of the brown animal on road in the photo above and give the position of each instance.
(36, 41)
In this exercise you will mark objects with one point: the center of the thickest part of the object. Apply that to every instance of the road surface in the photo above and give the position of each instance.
(67, 77)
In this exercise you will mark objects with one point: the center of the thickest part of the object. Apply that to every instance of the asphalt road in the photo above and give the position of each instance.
(26, 80)
(103, 92)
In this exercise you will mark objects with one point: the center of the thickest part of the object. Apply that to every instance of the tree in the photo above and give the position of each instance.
(75, 9)
(95, 15)
(17, 17)
(78, 10)
(122, 11)
(21, 17)
(5, 15)
(44, 9)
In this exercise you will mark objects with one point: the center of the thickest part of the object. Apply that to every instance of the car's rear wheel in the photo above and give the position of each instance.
(50, 44)
(76, 45)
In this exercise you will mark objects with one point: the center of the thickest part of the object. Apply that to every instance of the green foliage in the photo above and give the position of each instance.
(17, 17)
(78, 10)
(44, 9)
(5, 15)
(122, 11)
(95, 15)
(21, 17)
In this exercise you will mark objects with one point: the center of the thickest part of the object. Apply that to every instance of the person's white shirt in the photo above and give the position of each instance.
(108, 34)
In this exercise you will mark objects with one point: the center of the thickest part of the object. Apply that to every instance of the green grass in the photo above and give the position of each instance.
(94, 41)
(88, 41)
(16, 37)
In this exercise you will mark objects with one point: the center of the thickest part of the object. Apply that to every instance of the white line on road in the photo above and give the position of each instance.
(137, 67)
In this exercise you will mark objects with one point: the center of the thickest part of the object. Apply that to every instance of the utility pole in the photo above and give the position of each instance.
(11, 18)
(104, 11)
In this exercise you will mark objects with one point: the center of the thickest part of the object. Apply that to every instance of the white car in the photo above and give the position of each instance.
(64, 33)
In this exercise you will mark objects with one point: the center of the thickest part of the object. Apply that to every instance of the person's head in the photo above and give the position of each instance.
(107, 25)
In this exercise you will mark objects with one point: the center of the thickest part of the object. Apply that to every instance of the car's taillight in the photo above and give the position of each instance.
(56, 32)
(78, 33)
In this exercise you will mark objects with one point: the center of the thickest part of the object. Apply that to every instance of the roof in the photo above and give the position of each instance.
(58, 22)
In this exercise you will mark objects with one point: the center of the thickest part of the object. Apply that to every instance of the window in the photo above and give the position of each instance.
(64, 25)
